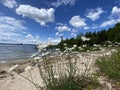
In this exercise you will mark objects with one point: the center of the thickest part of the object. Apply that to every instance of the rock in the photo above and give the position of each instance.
(33, 63)
(3, 72)
(19, 70)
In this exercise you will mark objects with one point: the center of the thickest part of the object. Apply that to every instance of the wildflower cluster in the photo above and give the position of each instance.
(64, 70)
(60, 70)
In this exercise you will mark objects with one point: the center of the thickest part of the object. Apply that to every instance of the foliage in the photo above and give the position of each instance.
(63, 74)
(74, 83)
(100, 37)
(62, 71)
(110, 66)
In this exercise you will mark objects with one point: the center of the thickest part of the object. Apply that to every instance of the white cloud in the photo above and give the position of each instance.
(59, 34)
(41, 16)
(116, 11)
(114, 17)
(9, 3)
(63, 28)
(29, 38)
(14, 31)
(63, 2)
(94, 14)
(11, 23)
(10, 28)
(53, 41)
(74, 30)
(86, 27)
(77, 22)
(110, 22)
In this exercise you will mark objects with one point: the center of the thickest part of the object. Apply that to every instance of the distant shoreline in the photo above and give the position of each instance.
(15, 44)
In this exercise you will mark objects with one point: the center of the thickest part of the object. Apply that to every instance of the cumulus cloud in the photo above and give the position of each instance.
(114, 17)
(41, 16)
(94, 14)
(63, 28)
(77, 22)
(116, 11)
(63, 2)
(9, 3)
(53, 41)
(29, 38)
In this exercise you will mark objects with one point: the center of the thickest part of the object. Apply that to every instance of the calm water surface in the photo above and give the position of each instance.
(16, 52)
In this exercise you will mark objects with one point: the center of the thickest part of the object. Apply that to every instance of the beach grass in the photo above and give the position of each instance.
(110, 66)
(63, 74)
(68, 70)
(73, 83)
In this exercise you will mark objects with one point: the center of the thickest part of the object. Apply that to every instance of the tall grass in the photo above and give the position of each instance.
(110, 66)
(61, 72)
(66, 70)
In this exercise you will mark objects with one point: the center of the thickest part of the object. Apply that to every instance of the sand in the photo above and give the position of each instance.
(17, 82)
(13, 81)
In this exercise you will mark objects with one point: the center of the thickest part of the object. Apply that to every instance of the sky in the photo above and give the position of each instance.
(45, 21)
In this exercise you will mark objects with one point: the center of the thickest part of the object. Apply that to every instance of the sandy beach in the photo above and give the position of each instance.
(13, 81)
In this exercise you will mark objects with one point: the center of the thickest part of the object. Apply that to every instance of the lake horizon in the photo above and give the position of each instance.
(10, 52)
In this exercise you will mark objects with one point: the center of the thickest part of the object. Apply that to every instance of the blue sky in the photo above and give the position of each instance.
(45, 21)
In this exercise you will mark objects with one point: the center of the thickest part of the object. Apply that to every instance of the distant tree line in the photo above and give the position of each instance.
(100, 37)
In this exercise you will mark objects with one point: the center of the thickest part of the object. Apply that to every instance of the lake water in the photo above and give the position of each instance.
(16, 52)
